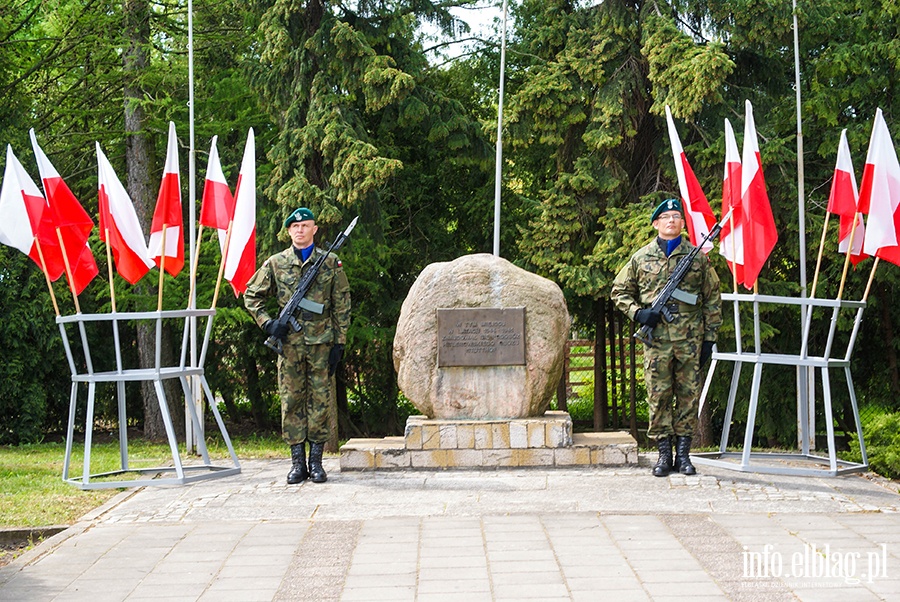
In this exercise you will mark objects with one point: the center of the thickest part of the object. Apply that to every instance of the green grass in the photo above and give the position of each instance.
(33, 494)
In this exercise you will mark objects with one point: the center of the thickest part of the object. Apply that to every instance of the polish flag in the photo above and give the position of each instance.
(240, 258)
(842, 201)
(879, 194)
(217, 207)
(119, 219)
(760, 234)
(26, 218)
(168, 213)
(700, 217)
(732, 243)
(71, 221)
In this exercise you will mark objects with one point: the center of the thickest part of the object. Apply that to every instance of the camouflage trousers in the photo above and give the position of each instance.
(304, 386)
(673, 378)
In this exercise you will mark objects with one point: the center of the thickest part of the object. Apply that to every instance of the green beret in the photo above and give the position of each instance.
(300, 214)
(667, 205)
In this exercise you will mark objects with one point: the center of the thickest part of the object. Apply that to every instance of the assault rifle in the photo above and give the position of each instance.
(298, 300)
(671, 290)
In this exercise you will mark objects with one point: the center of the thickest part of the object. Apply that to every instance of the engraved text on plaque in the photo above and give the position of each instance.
(481, 336)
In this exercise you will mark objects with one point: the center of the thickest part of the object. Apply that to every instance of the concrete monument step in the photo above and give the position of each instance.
(542, 441)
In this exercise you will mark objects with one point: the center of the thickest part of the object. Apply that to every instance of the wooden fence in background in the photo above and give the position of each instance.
(614, 372)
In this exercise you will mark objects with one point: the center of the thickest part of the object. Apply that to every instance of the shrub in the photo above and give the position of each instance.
(881, 432)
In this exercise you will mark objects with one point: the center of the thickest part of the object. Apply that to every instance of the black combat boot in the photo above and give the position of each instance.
(664, 464)
(676, 458)
(298, 472)
(316, 472)
(683, 455)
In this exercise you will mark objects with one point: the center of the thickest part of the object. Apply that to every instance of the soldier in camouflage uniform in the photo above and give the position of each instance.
(311, 355)
(673, 364)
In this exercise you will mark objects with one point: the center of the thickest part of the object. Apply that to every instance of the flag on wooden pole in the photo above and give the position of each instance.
(26, 222)
(760, 234)
(879, 194)
(731, 243)
(167, 227)
(240, 263)
(23, 208)
(72, 223)
(843, 202)
(217, 207)
(698, 214)
(119, 224)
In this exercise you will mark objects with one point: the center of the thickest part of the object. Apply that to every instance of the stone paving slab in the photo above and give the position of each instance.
(538, 533)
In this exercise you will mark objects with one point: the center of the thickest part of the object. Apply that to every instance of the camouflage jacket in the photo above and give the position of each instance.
(641, 280)
(279, 275)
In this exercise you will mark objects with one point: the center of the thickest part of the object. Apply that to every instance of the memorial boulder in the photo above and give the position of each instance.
(479, 338)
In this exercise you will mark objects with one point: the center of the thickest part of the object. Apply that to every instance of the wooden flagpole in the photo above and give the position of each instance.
(194, 267)
(162, 268)
(807, 319)
(840, 294)
(819, 258)
(871, 278)
(222, 266)
(46, 275)
(737, 310)
(69, 275)
(733, 255)
(109, 265)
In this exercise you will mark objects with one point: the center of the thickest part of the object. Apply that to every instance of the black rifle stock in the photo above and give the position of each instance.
(299, 300)
(645, 333)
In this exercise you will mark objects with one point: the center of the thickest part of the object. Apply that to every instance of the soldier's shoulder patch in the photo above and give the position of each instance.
(339, 264)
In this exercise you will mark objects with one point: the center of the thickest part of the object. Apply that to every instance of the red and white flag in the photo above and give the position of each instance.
(843, 200)
(240, 258)
(168, 213)
(879, 194)
(760, 234)
(217, 207)
(119, 224)
(731, 243)
(699, 215)
(25, 216)
(69, 218)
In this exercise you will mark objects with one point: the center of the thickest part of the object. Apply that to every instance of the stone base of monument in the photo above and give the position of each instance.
(544, 441)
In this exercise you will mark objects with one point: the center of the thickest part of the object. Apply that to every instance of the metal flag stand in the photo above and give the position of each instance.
(803, 463)
(157, 374)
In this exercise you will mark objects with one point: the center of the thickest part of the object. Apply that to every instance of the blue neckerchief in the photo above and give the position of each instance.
(671, 244)
(303, 254)
(667, 246)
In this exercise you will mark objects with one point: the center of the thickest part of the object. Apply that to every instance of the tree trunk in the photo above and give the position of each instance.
(331, 446)
(704, 425)
(601, 398)
(259, 405)
(613, 368)
(887, 327)
(139, 160)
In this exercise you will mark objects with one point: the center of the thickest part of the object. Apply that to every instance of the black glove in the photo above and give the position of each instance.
(337, 352)
(706, 352)
(274, 329)
(647, 317)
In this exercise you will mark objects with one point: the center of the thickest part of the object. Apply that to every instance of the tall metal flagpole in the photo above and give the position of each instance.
(805, 376)
(499, 167)
(800, 191)
(192, 242)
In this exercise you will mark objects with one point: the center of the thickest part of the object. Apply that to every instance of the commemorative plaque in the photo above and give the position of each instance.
(481, 336)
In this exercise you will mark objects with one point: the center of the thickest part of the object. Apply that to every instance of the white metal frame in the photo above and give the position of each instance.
(803, 463)
(157, 375)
